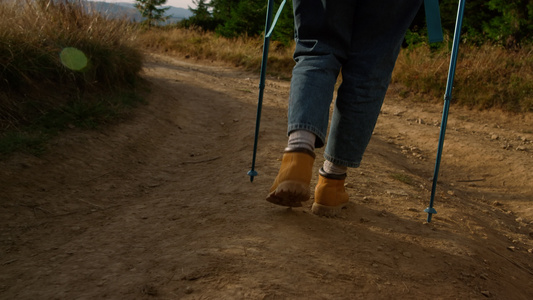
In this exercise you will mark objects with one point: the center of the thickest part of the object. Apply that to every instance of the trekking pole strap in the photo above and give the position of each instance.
(434, 25)
(280, 9)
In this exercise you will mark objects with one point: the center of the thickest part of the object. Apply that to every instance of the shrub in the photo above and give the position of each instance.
(34, 77)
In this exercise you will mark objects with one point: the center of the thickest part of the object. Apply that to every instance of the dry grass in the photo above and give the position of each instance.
(43, 90)
(32, 36)
(242, 52)
(486, 76)
(34, 32)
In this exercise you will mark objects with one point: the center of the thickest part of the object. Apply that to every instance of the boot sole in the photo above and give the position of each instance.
(289, 193)
(327, 211)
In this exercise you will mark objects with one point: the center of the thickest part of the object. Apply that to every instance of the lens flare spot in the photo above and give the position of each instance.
(73, 59)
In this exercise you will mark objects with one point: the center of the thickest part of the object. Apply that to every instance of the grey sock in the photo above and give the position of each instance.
(302, 139)
(333, 169)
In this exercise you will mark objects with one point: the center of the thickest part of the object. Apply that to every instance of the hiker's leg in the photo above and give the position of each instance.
(375, 44)
(323, 34)
(376, 39)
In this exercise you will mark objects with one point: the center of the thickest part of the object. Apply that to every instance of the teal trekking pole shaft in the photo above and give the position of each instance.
(447, 99)
(268, 31)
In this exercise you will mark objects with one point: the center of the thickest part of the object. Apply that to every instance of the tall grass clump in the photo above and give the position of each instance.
(244, 52)
(32, 37)
(486, 76)
(60, 54)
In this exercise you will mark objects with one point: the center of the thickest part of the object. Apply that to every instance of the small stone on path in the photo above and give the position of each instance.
(486, 293)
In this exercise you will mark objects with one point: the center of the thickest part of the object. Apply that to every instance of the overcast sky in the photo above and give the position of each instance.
(176, 3)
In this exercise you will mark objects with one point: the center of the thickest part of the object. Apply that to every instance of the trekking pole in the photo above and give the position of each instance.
(447, 98)
(268, 31)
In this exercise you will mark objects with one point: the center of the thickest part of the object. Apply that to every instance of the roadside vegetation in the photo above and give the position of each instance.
(245, 52)
(61, 66)
(487, 76)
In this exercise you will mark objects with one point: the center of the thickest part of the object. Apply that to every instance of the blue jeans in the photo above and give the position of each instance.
(362, 40)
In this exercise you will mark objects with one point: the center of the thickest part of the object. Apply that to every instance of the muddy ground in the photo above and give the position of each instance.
(159, 206)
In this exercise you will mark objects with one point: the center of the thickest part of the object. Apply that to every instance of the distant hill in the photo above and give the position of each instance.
(128, 11)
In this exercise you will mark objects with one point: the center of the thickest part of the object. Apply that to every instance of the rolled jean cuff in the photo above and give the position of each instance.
(342, 162)
(320, 136)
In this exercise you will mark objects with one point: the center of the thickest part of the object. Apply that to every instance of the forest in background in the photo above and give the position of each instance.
(507, 23)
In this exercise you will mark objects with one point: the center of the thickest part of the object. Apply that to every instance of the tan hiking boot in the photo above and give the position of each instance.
(330, 195)
(291, 186)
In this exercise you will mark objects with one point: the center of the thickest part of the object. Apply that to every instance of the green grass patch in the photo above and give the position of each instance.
(83, 114)
(30, 142)
(402, 178)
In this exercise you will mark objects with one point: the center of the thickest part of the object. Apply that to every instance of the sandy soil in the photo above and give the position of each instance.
(160, 206)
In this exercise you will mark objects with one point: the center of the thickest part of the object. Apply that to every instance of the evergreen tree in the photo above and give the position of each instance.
(513, 22)
(201, 17)
(247, 17)
(222, 9)
(233, 18)
(508, 22)
(284, 31)
(150, 12)
(244, 18)
(476, 13)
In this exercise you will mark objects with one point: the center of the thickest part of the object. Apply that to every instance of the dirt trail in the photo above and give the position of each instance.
(160, 206)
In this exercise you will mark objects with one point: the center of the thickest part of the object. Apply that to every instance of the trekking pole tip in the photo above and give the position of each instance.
(430, 211)
(252, 174)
